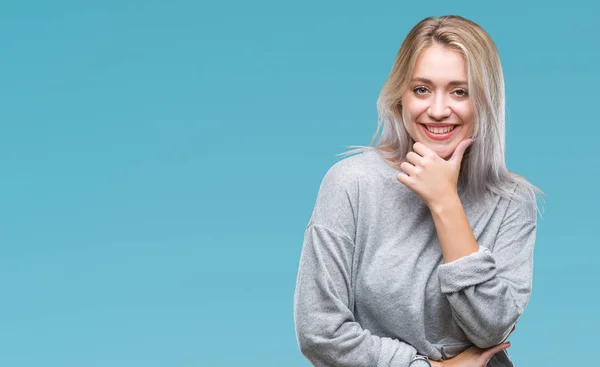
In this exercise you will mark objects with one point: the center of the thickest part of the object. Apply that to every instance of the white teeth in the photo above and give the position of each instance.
(440, 130)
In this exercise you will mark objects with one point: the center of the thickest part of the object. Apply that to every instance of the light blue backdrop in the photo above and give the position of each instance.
(159, 161)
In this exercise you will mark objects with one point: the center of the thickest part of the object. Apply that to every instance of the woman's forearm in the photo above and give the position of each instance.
(453, 229)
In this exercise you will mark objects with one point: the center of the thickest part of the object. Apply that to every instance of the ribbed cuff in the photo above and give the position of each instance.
(467, 271)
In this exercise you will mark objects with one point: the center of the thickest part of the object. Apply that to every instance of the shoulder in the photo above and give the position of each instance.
(342, 177)
(336, 206)
(365, 176)
(357, 169)
(522, 206)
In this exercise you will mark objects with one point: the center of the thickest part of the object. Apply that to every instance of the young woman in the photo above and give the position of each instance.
(419, 250)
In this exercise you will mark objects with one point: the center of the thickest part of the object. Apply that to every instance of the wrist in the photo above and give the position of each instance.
(445, 204)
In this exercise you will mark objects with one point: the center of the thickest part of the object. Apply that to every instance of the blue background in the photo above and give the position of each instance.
(159, 161)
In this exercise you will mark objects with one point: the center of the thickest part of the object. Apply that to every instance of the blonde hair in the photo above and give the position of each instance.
(483, 169)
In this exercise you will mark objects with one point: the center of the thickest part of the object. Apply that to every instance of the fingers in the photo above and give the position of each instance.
(413, 158)
(495, 349)
(422, 149)
(457, 156)
(407, 168)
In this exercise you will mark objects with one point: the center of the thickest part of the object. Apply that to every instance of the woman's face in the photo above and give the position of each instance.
(437, 100)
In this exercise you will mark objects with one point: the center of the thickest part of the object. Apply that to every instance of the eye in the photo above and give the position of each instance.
(420, 90)
(461, 92)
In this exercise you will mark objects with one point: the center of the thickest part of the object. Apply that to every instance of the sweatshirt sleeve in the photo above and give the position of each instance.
(488, 291)
(326, 330)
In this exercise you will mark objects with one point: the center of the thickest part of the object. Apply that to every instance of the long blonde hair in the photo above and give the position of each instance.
(483, 169)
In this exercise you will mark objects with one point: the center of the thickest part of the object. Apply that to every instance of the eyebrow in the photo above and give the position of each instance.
(453, 82)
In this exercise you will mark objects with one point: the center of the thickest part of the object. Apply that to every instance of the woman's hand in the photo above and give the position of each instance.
(472, 357)
(431, 177)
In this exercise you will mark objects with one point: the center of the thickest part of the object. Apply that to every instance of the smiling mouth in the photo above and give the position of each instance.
(439, 129)
(440, 132)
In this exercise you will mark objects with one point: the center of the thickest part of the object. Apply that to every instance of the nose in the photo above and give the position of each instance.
(439, 107)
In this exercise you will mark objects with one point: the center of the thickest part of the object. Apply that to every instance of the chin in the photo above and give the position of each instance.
(444, 152)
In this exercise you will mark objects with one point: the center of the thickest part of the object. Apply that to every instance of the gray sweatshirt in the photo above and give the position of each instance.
(372, 288)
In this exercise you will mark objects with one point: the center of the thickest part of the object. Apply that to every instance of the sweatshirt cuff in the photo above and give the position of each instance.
(467, 271)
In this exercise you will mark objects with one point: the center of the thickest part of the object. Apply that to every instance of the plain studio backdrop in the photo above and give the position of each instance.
(159, 162)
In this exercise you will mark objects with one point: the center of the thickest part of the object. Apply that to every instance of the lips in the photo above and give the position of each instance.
(444, 136)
